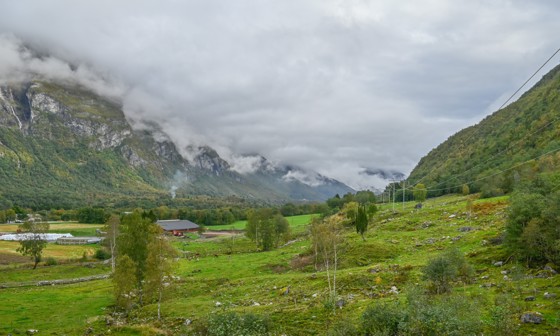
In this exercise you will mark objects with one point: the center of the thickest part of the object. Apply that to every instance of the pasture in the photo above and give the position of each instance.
(228, 274)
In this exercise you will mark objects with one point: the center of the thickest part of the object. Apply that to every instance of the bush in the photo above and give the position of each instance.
(102, 254)
(531, 229)
(234, 324)
(442, 270)
(503, 317)
(383, 319)
(342, 328)
(449, 315)
(50, 261)
(423, 315)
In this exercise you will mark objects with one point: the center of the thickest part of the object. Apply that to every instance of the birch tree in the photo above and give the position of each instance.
(35, 242)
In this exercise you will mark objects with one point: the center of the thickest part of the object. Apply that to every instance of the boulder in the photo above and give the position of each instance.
(548, 295)
(549, 268)
(340, 303)
(531, 317)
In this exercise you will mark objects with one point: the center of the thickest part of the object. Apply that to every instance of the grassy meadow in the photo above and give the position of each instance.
(228, 274)
(297, 224)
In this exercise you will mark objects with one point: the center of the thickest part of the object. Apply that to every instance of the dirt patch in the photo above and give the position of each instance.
(12, 258)
(486, 208)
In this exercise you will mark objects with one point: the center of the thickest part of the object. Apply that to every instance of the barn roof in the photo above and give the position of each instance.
(177, 224)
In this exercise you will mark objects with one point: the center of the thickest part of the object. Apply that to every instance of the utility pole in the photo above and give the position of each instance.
(403, 192)
(393, 183)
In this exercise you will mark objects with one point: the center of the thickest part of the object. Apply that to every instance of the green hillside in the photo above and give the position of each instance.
(62, 146)
(492, 155)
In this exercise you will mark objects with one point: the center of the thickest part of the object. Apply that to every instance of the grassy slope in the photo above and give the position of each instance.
(233, 273)
(521, 131)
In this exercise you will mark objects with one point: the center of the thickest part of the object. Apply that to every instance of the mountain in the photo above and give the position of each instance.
(492, 155)
(63, 146)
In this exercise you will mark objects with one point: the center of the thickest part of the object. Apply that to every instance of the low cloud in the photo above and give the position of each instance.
(335, 87)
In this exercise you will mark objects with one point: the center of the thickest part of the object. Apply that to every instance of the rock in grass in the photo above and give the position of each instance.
(548, 295)
(499, 263)
(549, 268)
(532, 317)
(530, 298)
(340, 303)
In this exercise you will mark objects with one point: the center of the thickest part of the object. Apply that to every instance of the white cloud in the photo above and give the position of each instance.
(334, 86)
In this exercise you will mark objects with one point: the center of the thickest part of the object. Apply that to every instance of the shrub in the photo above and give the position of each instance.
(383, 319)
(50, 261)
(342, 328)
(449, 315)
(503, 316)
(102, 254)
(234, 324)
(443, 269)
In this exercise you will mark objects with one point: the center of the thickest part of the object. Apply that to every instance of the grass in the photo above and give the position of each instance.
(60, 227)
(59, 252)
(297, 224)
(231, 271)
(57, 310)
(62, 271)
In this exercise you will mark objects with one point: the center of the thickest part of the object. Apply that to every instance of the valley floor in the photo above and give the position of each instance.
(228, 274)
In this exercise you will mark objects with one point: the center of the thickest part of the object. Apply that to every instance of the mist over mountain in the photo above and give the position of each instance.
(62, 145)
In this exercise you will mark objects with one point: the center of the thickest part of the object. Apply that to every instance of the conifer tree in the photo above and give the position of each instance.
(362, 221)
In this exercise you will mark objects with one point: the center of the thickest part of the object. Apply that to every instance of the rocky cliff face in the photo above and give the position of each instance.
(65, 140)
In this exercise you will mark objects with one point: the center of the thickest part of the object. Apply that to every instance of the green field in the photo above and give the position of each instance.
(231, 271)
(74, 228)
(297, 224)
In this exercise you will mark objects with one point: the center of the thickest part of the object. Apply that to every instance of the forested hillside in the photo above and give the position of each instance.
(495, 154)
(62, 146)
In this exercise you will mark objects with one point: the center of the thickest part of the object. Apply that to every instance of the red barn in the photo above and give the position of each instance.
(177, 227)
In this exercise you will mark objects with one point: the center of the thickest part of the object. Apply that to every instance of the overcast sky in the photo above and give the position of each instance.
(335, 86)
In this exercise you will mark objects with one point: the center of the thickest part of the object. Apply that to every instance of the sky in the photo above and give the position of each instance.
(340, 87)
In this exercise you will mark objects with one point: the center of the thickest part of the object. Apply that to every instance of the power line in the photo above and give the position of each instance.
(499, 172)
(501, 152)
(478, 130)
(527, 81)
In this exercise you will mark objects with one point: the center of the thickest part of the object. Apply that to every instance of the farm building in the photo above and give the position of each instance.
(177, 227)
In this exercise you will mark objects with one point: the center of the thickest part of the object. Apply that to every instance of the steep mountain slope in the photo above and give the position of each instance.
(492, 154)
(63, 146)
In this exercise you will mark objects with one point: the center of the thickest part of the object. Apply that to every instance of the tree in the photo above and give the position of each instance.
(10, 215)
(362, 222)
(445, 268)
(35, 242)
(158, 270)
(137, 232)
(466, 189)
(92, 215)
(350, 209)
(365, 196)
(420, 192)
(111, 234)
(335, 202)
(281, 229)
(266, 228)
(327, 240)
(124, 282)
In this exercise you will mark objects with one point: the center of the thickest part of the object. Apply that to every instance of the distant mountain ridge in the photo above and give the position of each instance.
(63, 146)
(491, 155)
